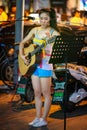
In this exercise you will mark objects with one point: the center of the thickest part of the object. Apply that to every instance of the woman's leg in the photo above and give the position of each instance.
(37, 91)
(46, 90)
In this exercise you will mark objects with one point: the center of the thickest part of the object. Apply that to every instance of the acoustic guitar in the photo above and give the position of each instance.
(34, 55)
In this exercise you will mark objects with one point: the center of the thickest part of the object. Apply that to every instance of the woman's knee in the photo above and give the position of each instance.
(46, 93)
(37, 92)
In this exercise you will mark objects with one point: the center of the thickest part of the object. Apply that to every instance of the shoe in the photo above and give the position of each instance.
(36, 120)
(41, 122)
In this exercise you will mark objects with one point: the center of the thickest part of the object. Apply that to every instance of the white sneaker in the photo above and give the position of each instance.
(41, 122)
(36, 120)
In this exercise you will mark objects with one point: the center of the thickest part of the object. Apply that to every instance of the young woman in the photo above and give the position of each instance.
(41, 78)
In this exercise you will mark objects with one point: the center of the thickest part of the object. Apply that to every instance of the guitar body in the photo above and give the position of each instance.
(35, 59)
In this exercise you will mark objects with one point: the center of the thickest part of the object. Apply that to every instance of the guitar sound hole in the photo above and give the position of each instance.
(29, 56)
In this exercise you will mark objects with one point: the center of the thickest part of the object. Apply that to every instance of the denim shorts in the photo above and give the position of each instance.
(43, 73)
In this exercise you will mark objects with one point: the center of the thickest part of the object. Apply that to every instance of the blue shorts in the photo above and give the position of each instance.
(43, 73)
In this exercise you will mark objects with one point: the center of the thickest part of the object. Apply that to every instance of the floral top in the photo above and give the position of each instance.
(45, 55)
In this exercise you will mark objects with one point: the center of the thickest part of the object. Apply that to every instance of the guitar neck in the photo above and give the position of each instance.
(38, 49)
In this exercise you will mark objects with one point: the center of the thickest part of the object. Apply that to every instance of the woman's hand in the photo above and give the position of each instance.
(26, 59)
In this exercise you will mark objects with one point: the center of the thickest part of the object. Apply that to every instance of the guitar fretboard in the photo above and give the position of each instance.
(38, 49)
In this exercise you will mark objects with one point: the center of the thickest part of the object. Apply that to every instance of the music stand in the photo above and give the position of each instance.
(66, 49)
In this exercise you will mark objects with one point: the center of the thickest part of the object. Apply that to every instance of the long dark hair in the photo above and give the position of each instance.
(51, 12)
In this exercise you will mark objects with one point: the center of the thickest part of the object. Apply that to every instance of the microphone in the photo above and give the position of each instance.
(30, 17)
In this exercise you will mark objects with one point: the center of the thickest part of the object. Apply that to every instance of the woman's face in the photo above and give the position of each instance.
(44, 20)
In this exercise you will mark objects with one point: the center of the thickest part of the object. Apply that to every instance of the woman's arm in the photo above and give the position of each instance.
(28, 38)
(56, 33)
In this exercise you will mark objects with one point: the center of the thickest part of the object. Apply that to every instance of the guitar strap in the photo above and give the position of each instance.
(39, 41)
(51, 31)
